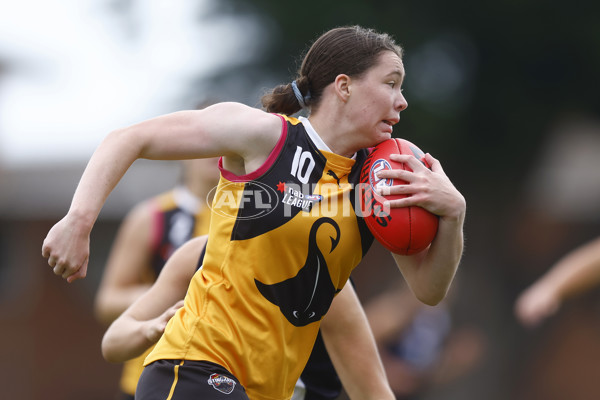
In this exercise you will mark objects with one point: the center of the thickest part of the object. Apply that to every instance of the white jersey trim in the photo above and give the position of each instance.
(314, 136)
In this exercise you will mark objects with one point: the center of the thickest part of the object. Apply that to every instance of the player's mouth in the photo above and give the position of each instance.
(390, 124)
(393, 121)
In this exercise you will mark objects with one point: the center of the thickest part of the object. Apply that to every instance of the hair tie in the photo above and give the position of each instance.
(301, 99)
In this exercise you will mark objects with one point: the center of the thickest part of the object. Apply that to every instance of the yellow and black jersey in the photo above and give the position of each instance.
(283, 241)
(177, 216)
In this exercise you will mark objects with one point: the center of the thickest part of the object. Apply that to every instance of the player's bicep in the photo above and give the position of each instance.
(224, 129)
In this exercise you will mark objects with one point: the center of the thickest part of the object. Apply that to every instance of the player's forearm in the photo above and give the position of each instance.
(106, 167)
(112, 303)
(352, 348)
(431, 272)
(125, 339)
(354, 354)
(364, 378)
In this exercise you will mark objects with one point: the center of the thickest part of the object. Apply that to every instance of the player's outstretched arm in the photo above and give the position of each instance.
(575, 273)
(243, 135)
(142, 324)
(352, 348)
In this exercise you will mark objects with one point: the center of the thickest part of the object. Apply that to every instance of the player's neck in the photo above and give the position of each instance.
(332, 131)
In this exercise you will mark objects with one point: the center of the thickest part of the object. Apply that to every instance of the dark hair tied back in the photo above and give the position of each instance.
(349, 50)
(282, 98)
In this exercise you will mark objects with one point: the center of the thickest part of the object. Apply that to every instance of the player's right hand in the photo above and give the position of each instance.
(157, 326)
(67, 249)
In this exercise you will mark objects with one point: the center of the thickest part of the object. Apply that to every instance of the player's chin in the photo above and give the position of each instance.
(376, 135)
(382, 136)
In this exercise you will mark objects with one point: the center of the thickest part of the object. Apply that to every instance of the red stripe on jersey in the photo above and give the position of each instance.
(158, 227)
(230, 176)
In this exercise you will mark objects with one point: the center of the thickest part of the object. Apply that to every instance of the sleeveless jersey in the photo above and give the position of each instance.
(283, 241)
(177, 217)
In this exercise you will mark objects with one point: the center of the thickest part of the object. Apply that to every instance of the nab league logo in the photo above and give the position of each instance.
(222, 383)
(379, 165)
(293, 195)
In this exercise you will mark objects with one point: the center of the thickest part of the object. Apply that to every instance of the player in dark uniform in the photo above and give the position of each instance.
(285, 233)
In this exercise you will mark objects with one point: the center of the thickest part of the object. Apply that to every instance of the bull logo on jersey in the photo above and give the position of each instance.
(222, 383)
(306, 297)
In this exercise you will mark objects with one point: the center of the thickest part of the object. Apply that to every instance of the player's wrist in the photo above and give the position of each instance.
(80, 219)
(457, 211)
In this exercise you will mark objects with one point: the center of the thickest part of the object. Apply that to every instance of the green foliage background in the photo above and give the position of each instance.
(529, 63)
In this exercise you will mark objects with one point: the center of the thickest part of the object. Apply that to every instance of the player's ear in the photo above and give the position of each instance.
(342, 87)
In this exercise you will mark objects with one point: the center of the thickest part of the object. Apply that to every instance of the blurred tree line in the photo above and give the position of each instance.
(485, 80)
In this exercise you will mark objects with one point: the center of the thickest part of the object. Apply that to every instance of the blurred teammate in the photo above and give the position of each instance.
(150, 233)
(345, 331)
(575, 273)
(419, 345)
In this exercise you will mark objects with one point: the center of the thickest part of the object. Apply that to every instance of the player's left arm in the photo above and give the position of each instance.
(430, 272)
(352, 348)
(142, 324)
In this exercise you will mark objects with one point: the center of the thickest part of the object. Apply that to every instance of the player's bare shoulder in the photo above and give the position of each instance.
(251, 131)
(257, 123)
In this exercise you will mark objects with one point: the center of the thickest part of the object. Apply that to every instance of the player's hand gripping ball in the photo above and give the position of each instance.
(403, 230)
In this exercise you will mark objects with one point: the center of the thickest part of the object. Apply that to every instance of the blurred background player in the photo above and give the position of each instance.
(149, 234)
(421, 347)
(575, 273)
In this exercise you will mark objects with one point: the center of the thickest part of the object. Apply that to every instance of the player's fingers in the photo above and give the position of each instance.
(417, 165)
(434, 163)
(414, 163)
(65, 275)
(173, 309)
(169, 313)
(58, 269)
(179, 304)
(73, 276)
(395, 190)
(52, 261)
(403, 202)
(79, 274)
(45, 251)
(406, 176)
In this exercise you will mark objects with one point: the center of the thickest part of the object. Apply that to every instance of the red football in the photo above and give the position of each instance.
(405, 230)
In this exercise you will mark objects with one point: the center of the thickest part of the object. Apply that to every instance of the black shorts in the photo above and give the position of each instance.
(186, 380)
